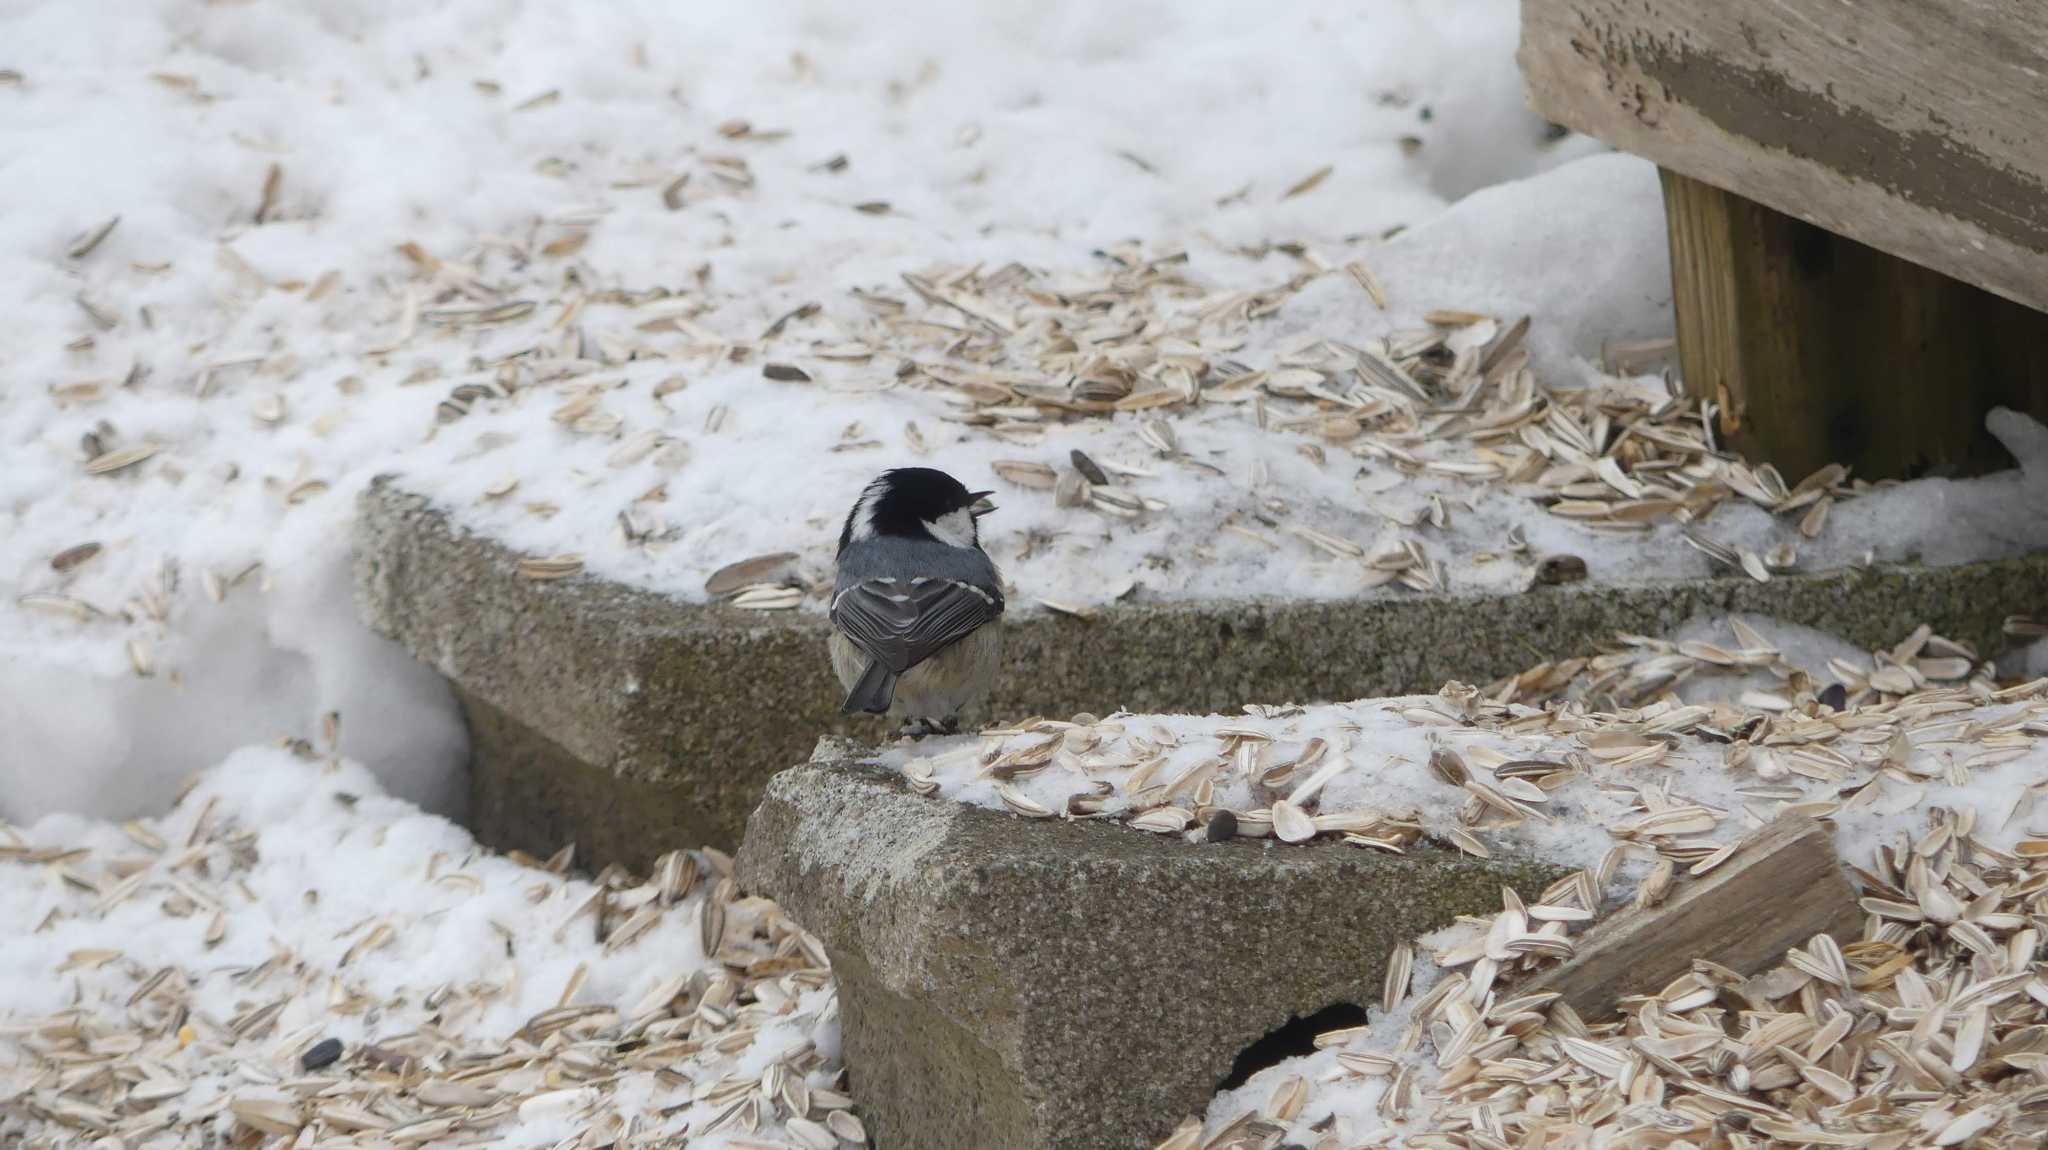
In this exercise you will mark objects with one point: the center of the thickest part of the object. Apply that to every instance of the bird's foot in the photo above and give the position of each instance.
(922, 727)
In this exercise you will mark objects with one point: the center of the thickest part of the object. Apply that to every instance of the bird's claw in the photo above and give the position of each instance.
(920, 727)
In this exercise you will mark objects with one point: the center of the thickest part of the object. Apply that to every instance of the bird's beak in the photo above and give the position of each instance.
(981, 506)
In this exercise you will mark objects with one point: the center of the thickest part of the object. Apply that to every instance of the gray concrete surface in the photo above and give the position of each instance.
(1012, 984)
(631, 722)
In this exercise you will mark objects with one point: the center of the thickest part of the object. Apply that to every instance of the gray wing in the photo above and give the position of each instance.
(901, 623)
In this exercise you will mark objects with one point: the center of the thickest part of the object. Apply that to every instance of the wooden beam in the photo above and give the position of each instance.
(1773, 894)
(1913, 126)
(1819, 349)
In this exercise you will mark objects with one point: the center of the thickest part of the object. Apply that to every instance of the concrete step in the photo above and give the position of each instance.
(631, 722)
(1013, 984)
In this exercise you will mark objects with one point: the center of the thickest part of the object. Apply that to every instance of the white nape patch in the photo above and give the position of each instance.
(955, 528)
(864, 510)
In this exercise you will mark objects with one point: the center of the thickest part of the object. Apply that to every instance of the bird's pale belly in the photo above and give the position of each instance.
(940, 686)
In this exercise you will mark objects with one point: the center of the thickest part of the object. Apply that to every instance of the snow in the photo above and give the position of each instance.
(1388, 748)
(1883, 773)
(303, 197)
(308, 859)
(278, 363)
(1339, 1102)
(994, 132)
(1495, 251)
(1385, 1083)
(1876, 773)
(713, 509)
(1967, 759)
(1349, 1114)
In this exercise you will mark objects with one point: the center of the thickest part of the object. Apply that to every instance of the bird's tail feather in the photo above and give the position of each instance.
(873, 693)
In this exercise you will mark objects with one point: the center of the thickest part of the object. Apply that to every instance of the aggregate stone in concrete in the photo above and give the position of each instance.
(631, 722)
(1013, 984)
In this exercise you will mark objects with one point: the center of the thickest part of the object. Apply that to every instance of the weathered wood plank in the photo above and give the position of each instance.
(1818, 349)
(1914, 126)
(1774, 894)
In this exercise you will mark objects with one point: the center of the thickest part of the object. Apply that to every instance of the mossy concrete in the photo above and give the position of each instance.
(1013, 984)
(632, 722)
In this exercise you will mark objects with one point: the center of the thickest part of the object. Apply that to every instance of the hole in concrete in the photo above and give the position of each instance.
(1296, 1036)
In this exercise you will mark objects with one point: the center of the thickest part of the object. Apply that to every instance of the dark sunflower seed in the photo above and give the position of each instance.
(1222, 824)
(71, 557)
(321, 1053)
(1555, 570)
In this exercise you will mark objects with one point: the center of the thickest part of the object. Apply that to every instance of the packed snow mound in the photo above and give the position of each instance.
(217, 212)
(1685, 743)
(269, 950)
(257, 256)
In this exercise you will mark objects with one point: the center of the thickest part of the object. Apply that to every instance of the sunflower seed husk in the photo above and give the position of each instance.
(74, 556)
(768, 597)
(1291, 824)
(1024, 473)
(747, 572)
(543, 568)
(126, 457)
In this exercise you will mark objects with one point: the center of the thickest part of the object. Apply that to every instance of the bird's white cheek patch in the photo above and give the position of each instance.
(954, 527)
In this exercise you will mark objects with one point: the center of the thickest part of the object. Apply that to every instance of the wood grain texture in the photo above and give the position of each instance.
(1914, 126)
(1819, 349)
(1774, 894)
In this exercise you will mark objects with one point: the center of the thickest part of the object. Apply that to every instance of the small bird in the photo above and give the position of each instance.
(916, 600)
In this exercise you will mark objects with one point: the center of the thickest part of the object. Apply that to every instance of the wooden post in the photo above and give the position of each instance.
(1819, 349)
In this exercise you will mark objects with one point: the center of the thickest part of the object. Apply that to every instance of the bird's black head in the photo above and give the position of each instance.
(916, 503)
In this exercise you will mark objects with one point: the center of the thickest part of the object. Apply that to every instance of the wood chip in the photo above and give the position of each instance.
(1779, 891)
